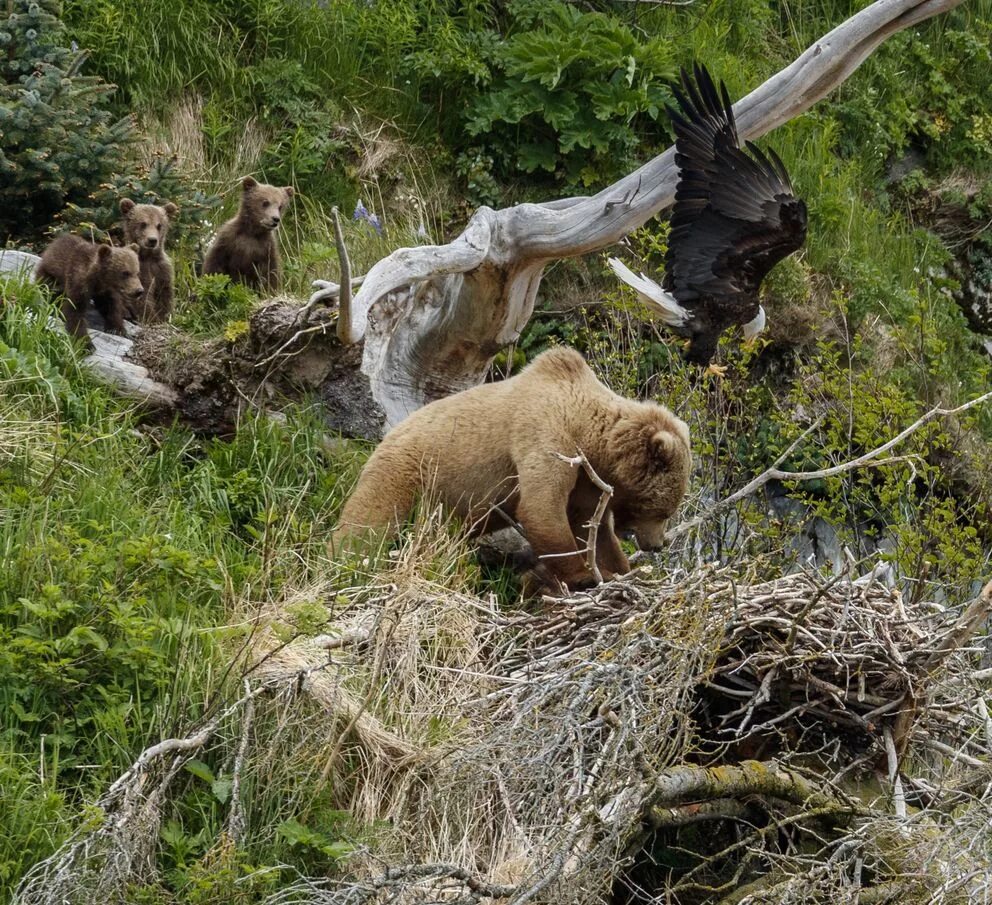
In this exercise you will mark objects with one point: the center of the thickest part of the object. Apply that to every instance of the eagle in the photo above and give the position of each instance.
(735, 217)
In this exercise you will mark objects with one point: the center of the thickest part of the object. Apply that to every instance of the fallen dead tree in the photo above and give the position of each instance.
(536, 758)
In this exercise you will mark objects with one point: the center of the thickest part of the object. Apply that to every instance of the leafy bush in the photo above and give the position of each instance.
(100, 215)
(574, 93)
(215, 301)
(58, 140)
(917, 92)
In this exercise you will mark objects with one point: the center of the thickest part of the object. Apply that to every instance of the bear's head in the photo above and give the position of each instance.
(146, 225)
(650, 472)
(118, 272)
(262, 205)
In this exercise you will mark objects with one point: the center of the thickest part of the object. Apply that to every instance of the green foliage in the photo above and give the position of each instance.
(321, 846)
(297, 112)
(274, 63)
(215, 301)
(918, 91)
(100, 217)
(574, 93)
(118, 548)
(58, 140)
(31, 808)
(910, 503)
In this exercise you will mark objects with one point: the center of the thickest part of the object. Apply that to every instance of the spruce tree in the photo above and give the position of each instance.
(58, 138)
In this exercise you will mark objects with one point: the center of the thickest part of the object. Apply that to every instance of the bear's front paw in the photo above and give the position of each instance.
(577, 580)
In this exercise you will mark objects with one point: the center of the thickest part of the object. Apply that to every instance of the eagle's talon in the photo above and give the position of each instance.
(716, 370)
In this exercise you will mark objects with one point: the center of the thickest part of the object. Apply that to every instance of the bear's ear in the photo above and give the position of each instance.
(127, 205)
(135, 247)
(664, 447)
(103, 253)
(289, 190)
(248, 183)
(170, 210)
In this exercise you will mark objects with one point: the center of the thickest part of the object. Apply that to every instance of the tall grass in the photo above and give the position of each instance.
(121, 551)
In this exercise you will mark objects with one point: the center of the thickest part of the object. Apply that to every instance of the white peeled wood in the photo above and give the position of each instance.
(18, 262)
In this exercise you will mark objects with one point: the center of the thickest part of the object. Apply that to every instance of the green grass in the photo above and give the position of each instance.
(122, 552)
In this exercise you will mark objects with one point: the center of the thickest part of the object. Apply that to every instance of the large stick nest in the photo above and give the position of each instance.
(534, 757)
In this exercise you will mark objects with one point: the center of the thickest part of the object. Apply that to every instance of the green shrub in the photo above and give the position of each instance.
(918, 91)
(100, 216)
(574, 93)
(215, 301)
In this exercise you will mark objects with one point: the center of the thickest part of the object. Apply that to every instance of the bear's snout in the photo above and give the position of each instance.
(650, 535)
(151, 241)
(137, 293)
(274, 221)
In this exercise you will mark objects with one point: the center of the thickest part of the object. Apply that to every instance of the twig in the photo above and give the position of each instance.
(593, 524)
(964, 628)
(898, 796)
(868, 459)
(299, 334)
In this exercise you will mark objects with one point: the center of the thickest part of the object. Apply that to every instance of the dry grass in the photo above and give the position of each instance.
(508, 756)
(181, 135)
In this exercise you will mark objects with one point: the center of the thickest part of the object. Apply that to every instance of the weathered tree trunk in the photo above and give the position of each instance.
(433, 317)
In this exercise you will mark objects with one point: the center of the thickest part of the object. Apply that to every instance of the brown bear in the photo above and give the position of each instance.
(84, 272)
(245, 247)
(146, 225)
(492, 450)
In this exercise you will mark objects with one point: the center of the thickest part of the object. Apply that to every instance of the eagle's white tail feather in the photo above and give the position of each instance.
(753, 327)
(662, 303)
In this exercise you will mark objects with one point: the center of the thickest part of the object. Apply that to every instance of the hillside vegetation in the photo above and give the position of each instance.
(143, 567)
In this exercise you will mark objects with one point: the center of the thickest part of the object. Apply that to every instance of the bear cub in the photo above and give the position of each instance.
(245, 248)
(491, 450)
(84, 272)
(146, 226)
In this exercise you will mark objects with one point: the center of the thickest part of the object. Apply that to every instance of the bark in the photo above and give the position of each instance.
(434, 316)
(675, 788)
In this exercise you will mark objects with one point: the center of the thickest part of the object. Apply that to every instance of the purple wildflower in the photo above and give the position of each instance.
(363, 213)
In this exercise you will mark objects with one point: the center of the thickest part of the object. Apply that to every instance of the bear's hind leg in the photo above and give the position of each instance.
(374, 512)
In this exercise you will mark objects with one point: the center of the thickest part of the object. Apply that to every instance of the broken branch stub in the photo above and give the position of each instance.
(434, 316)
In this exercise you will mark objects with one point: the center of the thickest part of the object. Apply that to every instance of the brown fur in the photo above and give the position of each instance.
(494, 445)
(84, 272)
(147, 225)
(245, 248)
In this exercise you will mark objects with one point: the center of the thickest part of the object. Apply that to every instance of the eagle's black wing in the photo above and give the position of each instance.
(735, 214)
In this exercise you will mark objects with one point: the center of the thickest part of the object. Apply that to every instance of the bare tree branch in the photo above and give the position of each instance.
(869, 459)
(606, 494)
